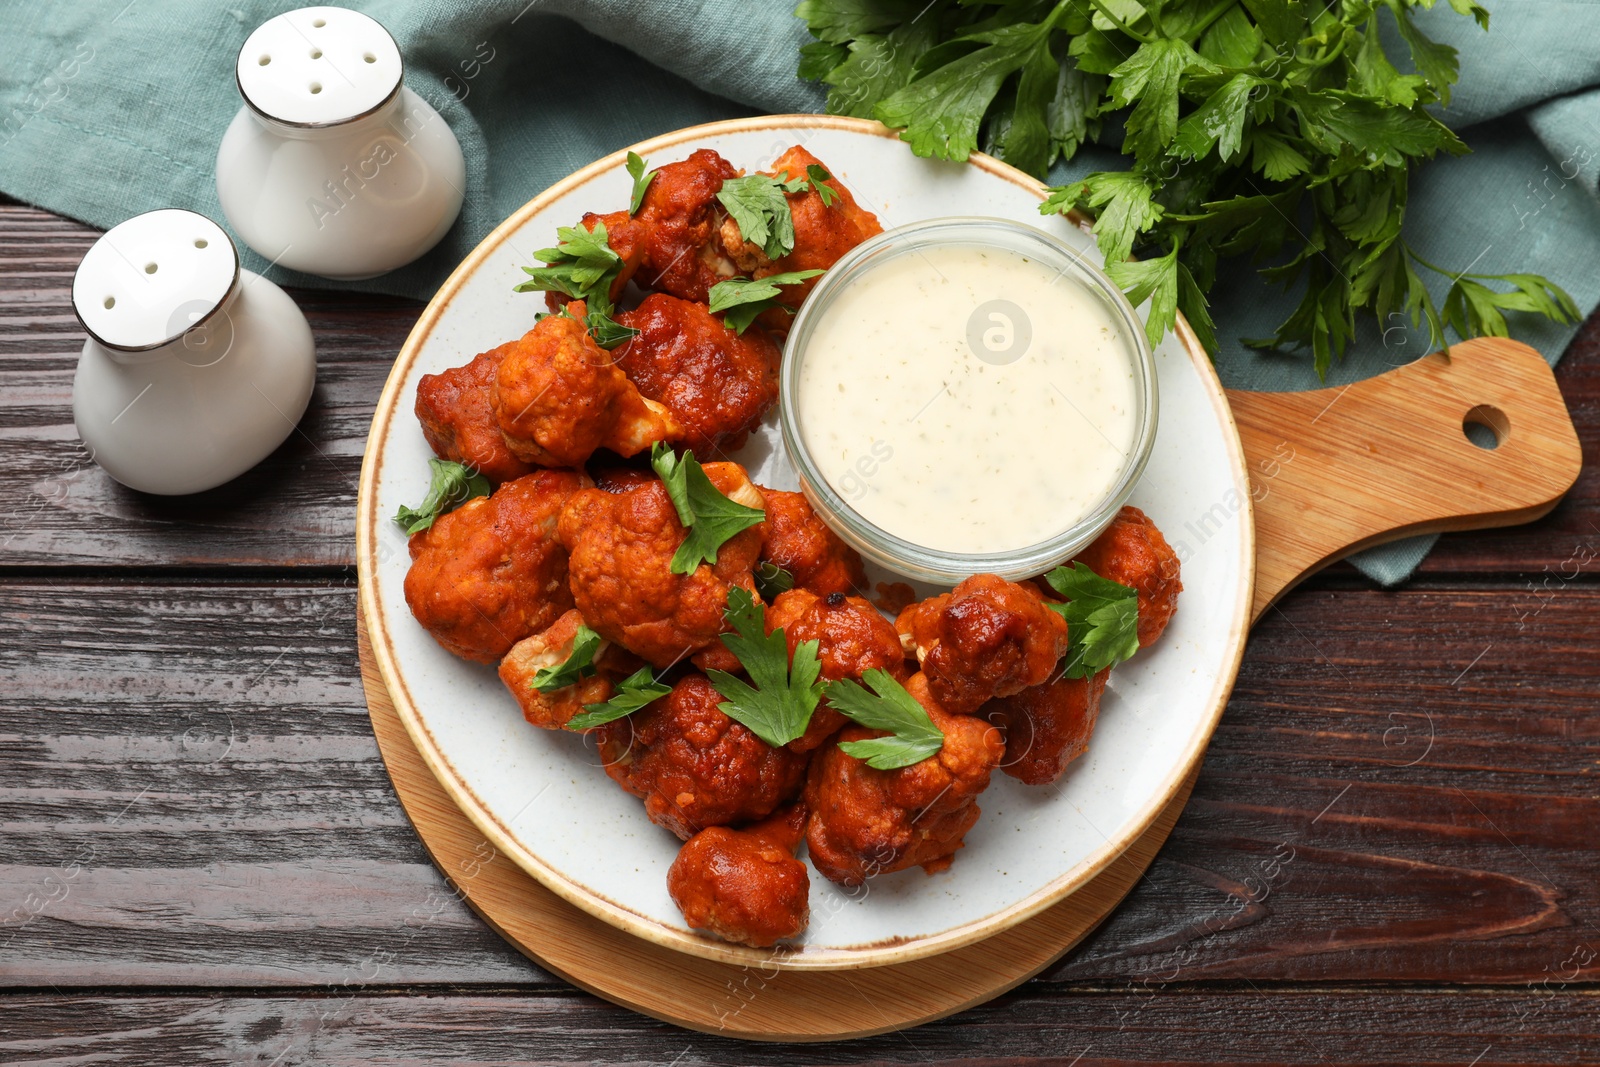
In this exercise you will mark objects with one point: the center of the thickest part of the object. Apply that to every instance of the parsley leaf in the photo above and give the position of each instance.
(772, 581)
(1435, 62)
(874, 67)
(777, 707)
(711, 518)
(606, 331)
(761, 211)
(582, 265)
(1125, 206)
(912, 735)
(743, 299)
(817, 176)
(578, 665)
(1218, 122)
(818, 58)
(1102, 619)
(450, 485)
(1151, 77)
(1155, 280)
(641, 181)
(837, 21)
(633, 692)
(941, 110)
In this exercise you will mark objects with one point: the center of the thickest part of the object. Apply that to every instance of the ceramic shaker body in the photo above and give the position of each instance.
(333, 166)
(195, 370)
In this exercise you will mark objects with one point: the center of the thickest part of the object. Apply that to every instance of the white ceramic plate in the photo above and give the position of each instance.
(541, 796)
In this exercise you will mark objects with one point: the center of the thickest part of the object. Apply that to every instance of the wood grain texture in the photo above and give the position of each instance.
(285, 858)
(67, 511)
(1336, 470)
(1089, 1028)
(1569, 536)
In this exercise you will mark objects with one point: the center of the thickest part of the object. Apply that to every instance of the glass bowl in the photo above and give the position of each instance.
(857, 269)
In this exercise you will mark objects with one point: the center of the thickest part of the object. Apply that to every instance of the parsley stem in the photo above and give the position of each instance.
(1100, 6)
(1318, 64)
(1211, 16)
(1441, 270)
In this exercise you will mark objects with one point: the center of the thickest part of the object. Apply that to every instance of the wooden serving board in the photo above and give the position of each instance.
(1332, 471)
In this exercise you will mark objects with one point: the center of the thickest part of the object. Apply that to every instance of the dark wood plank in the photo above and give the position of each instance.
(298, 507)
(1402, 786)
(1091, 1028)
(190, 794)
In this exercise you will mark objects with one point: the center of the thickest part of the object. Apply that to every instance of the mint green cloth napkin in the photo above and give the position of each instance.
(111, 107)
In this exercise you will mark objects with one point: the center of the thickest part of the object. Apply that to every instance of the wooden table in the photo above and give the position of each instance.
(1392, 854)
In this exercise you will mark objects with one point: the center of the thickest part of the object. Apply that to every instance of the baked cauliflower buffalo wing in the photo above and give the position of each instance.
(794, 538)
(694, 766)
(823, 233)
(866, 822)
(716, 384)
(492, 572)
(458, 419)
(621, 545)
(670, 244)
(852, 638)
(1047, 726)
(549, 648)
(558, 396)
(1132, 552)
(745, 885)
(986, 638)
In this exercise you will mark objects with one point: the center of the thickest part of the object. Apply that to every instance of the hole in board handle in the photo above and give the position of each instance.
(1486, 426)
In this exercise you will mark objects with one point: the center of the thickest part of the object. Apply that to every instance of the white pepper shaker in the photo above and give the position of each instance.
(194, 370)
(333, 166)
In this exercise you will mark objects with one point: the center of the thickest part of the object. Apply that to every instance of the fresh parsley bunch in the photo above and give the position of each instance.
(1274, 129)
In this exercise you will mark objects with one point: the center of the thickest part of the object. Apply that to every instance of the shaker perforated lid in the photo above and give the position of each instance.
(151, 279)
(318, 66)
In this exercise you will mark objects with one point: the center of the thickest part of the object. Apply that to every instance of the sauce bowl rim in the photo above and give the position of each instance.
(921, 562)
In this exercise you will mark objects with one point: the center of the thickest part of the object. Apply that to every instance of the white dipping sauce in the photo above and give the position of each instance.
(962, 424)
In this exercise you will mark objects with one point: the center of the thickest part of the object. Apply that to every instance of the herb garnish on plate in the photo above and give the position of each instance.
(1102, 620)
(632, 693)
(777, 702)
(451, 485)
(741, 300)
(912, 735)
(710, 517)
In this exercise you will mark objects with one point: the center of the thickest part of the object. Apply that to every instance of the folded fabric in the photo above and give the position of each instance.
(113, 107)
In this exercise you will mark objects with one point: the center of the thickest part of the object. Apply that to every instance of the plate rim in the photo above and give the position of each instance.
(368, 523)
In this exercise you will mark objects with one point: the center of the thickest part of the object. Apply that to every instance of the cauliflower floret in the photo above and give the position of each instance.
(985, 638)
(621, 546)
(492, 572)
(745, 885)
(558, 396)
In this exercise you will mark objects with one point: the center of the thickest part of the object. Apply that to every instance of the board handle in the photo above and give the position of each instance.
(1336, 470)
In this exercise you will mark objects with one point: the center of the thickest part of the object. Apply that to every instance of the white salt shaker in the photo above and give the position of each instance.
(195, 370)
(333, 166)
